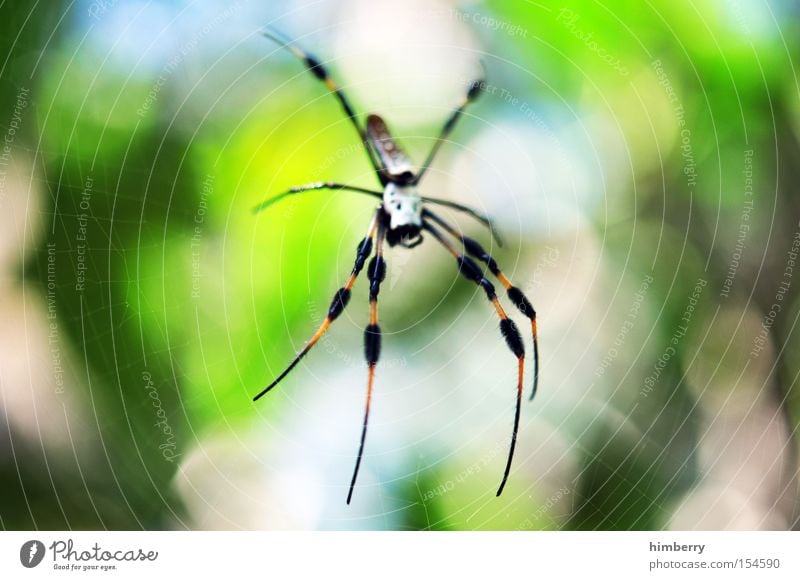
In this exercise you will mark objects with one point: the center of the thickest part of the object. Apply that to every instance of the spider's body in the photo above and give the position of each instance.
(401, 200)
(400, 219)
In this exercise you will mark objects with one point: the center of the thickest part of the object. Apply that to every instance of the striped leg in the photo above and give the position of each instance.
(318, 70)
(338, 304)
(470, 270)
(376, 271)
(515, 294)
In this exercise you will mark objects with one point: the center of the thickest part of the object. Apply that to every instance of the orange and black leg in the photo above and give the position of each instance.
(318, 70)
(470, 270)
(338, 304)
(376, 271)
(315, 187)
(516, 296)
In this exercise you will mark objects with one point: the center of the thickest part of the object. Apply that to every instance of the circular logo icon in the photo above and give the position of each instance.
(31, 553)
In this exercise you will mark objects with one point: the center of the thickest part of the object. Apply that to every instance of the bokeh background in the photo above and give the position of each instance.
(641, 160)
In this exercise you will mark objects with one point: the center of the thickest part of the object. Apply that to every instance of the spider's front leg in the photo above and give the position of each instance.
(470, 270)
(472, 93)
(316, 68)
(376, 271)
(340, 300)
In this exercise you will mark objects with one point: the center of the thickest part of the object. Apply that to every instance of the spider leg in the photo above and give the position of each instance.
(472, 93)
(318, 70)
(376, 271)
(314, 187)
(470, 270)
(484, 219)
(340, 300)
(515, 294)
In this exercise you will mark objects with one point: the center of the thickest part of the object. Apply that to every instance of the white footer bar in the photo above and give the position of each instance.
(402, 555)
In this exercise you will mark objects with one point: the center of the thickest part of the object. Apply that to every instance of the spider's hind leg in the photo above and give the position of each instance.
(470, 270)
(516, 296)
(338, 304)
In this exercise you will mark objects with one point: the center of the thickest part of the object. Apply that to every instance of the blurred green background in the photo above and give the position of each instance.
(640, 160)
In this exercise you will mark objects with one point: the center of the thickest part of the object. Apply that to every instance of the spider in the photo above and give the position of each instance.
(399, 220)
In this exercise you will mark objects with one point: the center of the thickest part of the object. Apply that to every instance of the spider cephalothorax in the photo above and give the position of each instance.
(403, 207)
(400, 219)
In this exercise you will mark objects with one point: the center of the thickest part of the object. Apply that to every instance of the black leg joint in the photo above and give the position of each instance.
(376, 271)
(362, 253)
(488, 287)
(316, 67)
(522, 303)
(476, 250)
(372, 343)
(339, 303)
(469, 269)
(374, 290)
(513, 338)
(475, 89)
